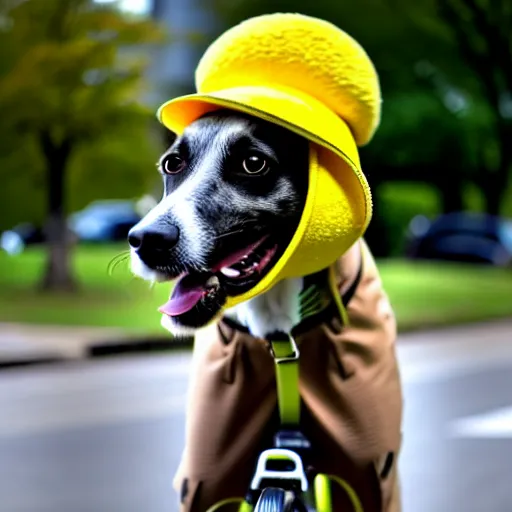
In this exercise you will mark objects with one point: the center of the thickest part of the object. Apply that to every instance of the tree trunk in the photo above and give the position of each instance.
(58, 274)
(450, 192)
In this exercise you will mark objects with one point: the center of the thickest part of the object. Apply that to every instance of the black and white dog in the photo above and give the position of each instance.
(234, 191)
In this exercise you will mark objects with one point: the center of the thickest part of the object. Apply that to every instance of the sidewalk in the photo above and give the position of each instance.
(24, 344)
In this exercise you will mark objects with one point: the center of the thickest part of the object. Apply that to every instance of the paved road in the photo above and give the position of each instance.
(106, 435)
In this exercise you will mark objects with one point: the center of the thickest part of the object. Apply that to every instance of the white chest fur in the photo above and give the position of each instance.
(275, 310)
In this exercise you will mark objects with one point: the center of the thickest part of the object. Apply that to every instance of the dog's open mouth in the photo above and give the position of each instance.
(233, 275)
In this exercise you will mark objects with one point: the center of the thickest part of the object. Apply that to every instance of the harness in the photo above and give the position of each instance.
(320, 301)
(317, 302)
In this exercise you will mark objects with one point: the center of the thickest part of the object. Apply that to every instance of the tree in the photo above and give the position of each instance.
(72, 76)
(481, 29)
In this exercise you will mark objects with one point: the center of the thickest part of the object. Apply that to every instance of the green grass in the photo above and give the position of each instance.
(432, 294)
(104, 299)
(422, 294)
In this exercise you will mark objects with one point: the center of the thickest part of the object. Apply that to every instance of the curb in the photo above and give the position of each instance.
(25, 348)
(21, 363)
(130, 346)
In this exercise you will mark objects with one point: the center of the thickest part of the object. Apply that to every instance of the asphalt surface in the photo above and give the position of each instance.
(106, 435)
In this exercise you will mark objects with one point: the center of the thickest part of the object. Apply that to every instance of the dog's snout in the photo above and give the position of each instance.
(154, 238)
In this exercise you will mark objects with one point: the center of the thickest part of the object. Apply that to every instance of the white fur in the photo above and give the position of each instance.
(140, 269)
(176, 329)
(275, 310)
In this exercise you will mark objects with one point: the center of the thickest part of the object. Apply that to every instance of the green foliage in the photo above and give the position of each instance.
(74, 72)
(118, 166)
(506, 209)
(417, 133)
(401, 201)
(23, 190)
(69, 75)
(473, 198)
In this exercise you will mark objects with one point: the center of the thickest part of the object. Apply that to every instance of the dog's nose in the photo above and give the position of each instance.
(156, 238)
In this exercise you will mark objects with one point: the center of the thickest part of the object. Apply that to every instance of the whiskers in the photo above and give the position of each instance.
(117, 260)
(238, 228)
(228, 233)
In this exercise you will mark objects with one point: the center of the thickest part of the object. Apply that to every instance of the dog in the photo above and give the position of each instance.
(235, 188)
(234, 191)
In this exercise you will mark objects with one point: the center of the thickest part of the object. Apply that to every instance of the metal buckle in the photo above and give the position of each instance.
(294, 356)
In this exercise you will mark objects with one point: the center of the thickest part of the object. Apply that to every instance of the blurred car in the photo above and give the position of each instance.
(100, 221)
(14, 240)
(461, 236)
(105, 221)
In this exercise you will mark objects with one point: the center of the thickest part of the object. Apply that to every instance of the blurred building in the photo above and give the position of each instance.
(190, 24)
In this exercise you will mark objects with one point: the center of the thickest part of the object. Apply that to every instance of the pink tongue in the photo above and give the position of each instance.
(182, 300)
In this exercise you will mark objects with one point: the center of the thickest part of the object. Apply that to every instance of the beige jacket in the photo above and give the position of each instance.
(352, 401)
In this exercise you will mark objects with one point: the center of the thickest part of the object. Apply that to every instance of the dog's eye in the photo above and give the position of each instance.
(172, 164)
(254, 164)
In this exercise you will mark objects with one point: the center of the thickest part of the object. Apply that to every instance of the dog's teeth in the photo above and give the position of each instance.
(244, 262)
(230, 272)
(213, 282)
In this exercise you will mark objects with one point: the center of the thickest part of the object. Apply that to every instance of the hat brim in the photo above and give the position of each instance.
(289, 108)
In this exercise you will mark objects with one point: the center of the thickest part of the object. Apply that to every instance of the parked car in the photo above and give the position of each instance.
(462, 236)
(105, 221)
(100, 221)
(14, 240)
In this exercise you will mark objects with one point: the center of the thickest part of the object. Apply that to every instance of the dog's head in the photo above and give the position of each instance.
(234, 191)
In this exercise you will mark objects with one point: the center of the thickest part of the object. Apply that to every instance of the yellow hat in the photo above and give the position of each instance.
(312, 78)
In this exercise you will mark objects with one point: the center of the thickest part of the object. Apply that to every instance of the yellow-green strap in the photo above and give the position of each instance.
(351, 493)
(323, 499)
(337, 297)
(286, 355)
(323, 495)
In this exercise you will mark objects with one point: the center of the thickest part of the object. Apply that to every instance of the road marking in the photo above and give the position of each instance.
(492, 424)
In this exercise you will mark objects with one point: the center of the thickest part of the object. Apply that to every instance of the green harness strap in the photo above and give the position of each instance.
(314, 298)
(286, 359)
